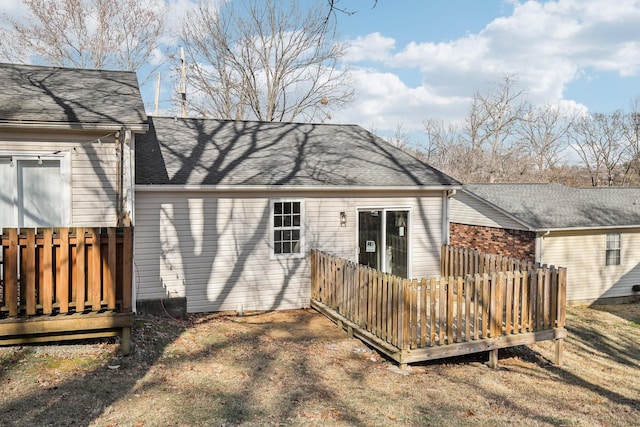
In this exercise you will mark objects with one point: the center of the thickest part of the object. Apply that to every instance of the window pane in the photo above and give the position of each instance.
(287, 221)
(613, 241)
(613, 249)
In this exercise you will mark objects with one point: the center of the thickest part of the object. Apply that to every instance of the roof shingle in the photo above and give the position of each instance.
(555, 206)
(220, 152)
(52, 95)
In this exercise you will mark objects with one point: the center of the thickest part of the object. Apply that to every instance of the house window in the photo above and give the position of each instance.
(613, 249)
(34, 192)
(287, 236)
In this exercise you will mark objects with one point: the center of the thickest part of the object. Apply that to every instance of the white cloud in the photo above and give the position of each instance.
(371, 47)
(157, 57)
(384, 101)
(175, 13)
(12, 9)
(546, 45)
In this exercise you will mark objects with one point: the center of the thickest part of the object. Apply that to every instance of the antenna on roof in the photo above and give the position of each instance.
(157, 101)
(183, 83)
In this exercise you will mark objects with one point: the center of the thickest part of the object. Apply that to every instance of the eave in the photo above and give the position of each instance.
(502, 211)
(110, 127)
(589, 228)
(172, 188)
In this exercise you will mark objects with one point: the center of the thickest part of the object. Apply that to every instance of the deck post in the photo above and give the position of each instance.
(493, 359)
(125, 341)
(558, 361)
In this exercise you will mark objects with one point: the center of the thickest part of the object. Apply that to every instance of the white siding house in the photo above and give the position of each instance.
(227, 212)
(61, 131)
(593, 232)
(589, 277)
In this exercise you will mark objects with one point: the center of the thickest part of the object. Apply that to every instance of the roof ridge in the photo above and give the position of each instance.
(255, 121)
(64, 68)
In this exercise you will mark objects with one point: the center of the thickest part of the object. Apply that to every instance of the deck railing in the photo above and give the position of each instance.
(47, 271)
(414, 320)
(53, 274)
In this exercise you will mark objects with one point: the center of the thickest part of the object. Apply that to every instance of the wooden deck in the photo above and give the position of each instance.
(65, 284)
(416, 320)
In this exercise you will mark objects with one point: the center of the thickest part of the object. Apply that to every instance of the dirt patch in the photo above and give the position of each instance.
(298, 368)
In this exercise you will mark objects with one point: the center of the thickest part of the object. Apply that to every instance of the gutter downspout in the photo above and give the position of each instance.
(119, 136)
(540, 246)
(124, 183)
(446, 215)
(127, 179)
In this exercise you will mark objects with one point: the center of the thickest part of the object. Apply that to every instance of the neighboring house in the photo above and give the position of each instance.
(60, 162)
(594, 232)
(227, 211)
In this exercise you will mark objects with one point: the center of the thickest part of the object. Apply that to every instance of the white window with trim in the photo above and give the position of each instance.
(35, 190)
(613, 249)
(287, 228)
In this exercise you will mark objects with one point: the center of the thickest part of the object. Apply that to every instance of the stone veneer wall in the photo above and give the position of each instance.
(518, 244)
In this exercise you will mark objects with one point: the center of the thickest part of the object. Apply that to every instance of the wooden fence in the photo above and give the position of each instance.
(65, 283)
(416, 320)
(462, 262)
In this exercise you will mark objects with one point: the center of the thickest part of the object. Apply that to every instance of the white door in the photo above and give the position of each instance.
(33, 193)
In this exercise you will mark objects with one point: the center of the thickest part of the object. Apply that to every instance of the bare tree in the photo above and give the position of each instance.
(632, 137)
(543, 132)
(118, 34)
(401, 137)
(443, 149)
(264, 60)
(336, 7)
(490, 128)
(599, 141)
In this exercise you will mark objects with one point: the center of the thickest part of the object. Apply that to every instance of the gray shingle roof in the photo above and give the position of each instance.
(36, 94)
(555, 206)
(219, 152)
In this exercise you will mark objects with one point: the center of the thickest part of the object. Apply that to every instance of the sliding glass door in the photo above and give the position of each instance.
(383, 240)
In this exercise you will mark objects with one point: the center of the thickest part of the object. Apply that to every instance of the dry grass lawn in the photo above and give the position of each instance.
(298, 368)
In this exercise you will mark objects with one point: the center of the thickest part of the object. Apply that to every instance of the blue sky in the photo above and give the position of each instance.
(413, 60)
(433, 55)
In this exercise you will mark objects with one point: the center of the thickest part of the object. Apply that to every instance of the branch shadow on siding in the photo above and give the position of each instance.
(210, 232)
(223, 162)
